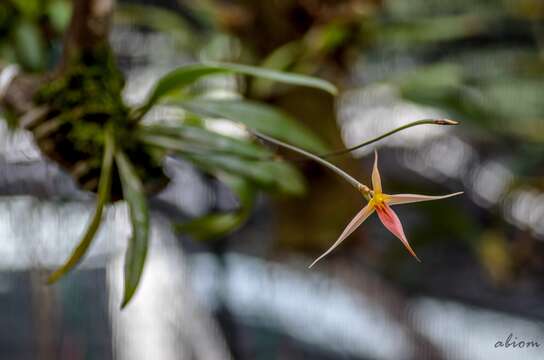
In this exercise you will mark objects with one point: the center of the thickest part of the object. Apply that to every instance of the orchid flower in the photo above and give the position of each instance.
(381, 203)
(377, 200)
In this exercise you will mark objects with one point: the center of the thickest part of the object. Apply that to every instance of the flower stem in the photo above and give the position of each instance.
(314, 157)
(409, 125)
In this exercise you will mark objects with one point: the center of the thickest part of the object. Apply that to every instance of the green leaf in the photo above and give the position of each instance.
(272, 175)
(425, 31)
(242, 188)
(211, 226)
(279, 59)
(431, 82)
(279, 76)
(249, 169)
(178, 79)
(187, 75)
(220, 224)
(288, 179)
(261, 117)
(192, 138)
(59, 13)
(104, 188)
(29, 46)
(139, 216)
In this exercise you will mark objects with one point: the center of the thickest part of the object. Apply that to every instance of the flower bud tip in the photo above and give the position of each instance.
(446, 122)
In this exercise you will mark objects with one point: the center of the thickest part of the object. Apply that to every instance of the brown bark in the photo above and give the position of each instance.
(89, 26)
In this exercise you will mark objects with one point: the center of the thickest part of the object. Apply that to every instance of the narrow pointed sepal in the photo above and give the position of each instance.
(376, 179)
(392, 222)
(352, 226)
(399, 199)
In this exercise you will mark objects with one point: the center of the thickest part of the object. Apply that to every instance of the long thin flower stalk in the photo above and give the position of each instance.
(314, 157)
(389, 133)
(321, 158)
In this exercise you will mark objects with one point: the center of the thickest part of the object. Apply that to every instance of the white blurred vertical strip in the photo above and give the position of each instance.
(164, 320)
(315, 309)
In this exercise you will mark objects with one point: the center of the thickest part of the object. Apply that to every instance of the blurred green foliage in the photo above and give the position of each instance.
(480, 60)
(30, 31)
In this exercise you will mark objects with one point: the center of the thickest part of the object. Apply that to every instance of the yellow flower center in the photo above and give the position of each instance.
(378, 200)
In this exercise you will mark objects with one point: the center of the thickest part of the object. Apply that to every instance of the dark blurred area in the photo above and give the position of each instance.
(250, 295)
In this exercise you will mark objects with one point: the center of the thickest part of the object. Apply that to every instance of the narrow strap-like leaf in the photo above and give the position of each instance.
(178, 79)
(104, 188)
(277, 175)
(260, 117)
(139, 217)
(182, 137)
(279, 76)
(187, 75)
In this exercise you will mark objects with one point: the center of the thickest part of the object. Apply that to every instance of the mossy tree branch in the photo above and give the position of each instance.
(89, 28)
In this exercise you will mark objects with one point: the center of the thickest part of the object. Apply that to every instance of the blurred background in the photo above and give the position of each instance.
(249, 295)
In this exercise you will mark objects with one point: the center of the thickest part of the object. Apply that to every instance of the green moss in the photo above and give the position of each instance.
(90, 81)
(86, 99)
